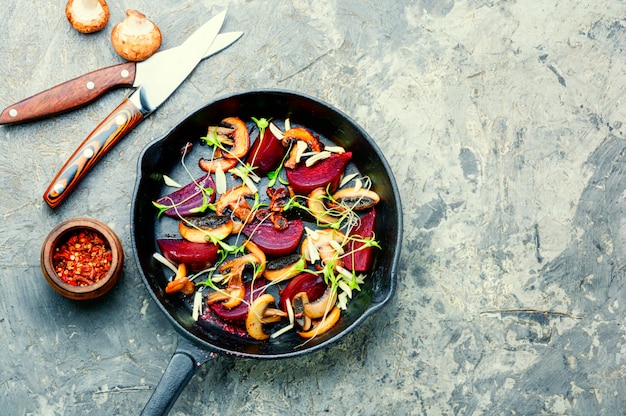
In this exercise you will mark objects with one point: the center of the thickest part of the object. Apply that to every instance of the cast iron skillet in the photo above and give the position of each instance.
(199, 341)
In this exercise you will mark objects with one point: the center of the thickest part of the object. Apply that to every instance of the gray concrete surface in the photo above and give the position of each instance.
(502, 121)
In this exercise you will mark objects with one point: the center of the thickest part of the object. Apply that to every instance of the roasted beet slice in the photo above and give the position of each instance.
(312, 284)
(184, 200)
(326, 172)
(357, 258)
(196, 256)
(266, 153)
(237, 315)
(275, 242)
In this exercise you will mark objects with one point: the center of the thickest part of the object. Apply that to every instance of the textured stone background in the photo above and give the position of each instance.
(502, 121)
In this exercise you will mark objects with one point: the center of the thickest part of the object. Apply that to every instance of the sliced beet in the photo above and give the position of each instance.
(196, 256)
(275, 242)
(184, 200)
(237, 315)
(266, 153)
(326, 172)
(357, 258)
(312, 284)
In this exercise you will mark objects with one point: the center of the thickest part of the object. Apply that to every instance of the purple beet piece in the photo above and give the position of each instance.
(312, 284)
(326, 172)
(196, 256)
(275, 242)
(266, 154)
(184, 200)
(361, 260)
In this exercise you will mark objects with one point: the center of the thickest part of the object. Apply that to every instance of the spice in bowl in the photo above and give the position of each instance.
(82, 258)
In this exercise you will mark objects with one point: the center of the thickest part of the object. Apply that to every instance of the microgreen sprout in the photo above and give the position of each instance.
(262, 124)
(248, 177)
(275, 174)
(213, 140)
(211, 280)
(162, 208)
(206, 193)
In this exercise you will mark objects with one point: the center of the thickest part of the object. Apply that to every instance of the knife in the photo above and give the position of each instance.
(167, 72)
(82, 90)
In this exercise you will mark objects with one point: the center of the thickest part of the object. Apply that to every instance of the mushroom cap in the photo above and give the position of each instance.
(284, 268)
(318, 209)
(254, 324)
(207, 228)
(87, 16)
(355, 198)
(240, 136)
(136, 38)
(324, 325)
(320, 307)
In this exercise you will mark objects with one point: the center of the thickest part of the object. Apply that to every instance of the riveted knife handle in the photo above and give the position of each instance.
(71, 94)
(108, 133)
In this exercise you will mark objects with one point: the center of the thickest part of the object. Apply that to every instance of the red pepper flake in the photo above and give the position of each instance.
(82, 258)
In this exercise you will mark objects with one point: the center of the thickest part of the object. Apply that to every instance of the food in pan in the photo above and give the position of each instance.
(275, 235)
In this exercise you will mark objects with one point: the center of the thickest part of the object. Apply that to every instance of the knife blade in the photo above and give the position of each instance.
(134, 109)
(82, 90)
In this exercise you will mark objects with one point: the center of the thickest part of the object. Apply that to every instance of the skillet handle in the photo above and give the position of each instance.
(186, 360)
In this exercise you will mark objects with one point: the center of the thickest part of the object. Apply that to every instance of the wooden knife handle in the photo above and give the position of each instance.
(71, 94)
(108, 133)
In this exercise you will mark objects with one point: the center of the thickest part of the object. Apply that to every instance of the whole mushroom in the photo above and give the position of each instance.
(136, 38)
(87, 16)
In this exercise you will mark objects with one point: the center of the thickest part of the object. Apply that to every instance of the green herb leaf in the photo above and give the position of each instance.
(162, 208)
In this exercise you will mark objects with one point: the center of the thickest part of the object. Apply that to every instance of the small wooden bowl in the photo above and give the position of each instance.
(58, 236)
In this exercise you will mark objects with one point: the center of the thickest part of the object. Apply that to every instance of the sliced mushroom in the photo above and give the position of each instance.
(273, 315)
(258, 254)
(320, 307)
(354, 199)
(211, 165)
(284, 268)
(324, 325)
(240, 137)
(298, 134)
(300, 300)
(87, 16)
(233, 137)
(254, 320)
(318, 209)
(233, 294)
(233, 271)
(230, 296)
(180, 283)
(235, 199)
(223, 136)
(206, 229)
